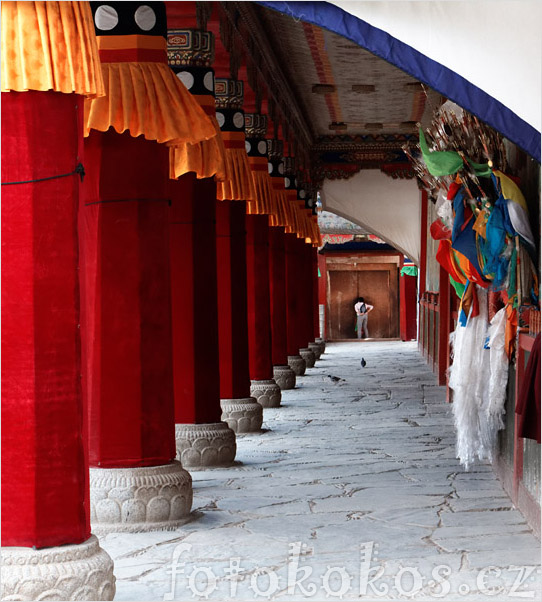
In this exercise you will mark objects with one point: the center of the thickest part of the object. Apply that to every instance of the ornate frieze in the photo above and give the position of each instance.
(191, 55)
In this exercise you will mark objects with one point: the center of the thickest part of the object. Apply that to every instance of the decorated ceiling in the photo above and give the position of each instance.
(338, 82)
(360, 108)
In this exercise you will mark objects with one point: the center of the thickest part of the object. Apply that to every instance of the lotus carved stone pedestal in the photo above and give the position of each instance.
(205, 445)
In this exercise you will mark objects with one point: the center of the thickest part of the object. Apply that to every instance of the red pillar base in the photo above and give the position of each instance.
(71, 572)
(284, 377)
(316, 349)
(297, 364)
(119, 501)
(205, 445)
(308, 355)
(267, 392)
(243, 415)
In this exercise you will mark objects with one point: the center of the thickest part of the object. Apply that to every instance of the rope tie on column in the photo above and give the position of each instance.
(78, 170)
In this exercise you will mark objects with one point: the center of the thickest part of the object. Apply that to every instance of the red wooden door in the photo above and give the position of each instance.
(378, 285)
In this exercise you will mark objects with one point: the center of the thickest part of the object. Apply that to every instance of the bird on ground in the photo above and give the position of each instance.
(363, 362)
(335, 379)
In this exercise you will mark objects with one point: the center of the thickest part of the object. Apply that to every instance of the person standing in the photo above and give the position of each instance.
(362, 309)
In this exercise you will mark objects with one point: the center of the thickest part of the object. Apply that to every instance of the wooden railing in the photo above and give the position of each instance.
(428, 339)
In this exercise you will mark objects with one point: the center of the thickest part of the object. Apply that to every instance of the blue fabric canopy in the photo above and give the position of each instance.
(435, 75)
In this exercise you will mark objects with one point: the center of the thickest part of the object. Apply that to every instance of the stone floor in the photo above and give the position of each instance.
(352, 491)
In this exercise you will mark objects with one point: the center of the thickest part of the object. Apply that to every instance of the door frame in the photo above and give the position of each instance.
(385, 261)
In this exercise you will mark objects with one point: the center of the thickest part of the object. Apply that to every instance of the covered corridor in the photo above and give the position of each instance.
(358, 465)
(166, 291)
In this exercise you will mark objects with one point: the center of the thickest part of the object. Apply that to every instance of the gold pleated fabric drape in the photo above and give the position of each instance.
(206, 158)
(147, 100)
(50, 46)
(145, 97)
(283, 215)
(238, 184)
(264, 196)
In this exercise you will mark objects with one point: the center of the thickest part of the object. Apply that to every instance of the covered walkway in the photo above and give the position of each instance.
(358, 467)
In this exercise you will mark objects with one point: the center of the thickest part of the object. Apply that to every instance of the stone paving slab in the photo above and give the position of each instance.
(354, 485)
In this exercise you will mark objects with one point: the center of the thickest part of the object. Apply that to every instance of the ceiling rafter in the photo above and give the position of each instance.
(269, 67)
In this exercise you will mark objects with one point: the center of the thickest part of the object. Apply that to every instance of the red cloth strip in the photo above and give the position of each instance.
(133, 55)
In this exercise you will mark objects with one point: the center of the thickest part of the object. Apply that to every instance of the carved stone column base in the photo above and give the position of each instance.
(242, 415)
(297, 364)
(139, 499)
(284, 377)
(308, 356)
(316, 349)
(266, 392)
(322, 344)
(205, 445)
(72, 572)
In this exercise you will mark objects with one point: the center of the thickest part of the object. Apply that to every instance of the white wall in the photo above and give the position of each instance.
(389, 208)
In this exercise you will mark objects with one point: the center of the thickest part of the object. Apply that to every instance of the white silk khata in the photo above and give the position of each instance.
(478, 377)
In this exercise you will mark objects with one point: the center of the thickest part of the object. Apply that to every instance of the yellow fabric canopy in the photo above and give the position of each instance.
(50, 46)
(147, 100)
(264, 197)
(206, 158)
(237, 184)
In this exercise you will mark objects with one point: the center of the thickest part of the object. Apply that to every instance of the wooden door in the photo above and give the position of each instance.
(375, 287)
(343, 292)
(378, 285)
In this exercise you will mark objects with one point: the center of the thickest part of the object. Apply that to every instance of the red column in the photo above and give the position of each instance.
(408, 306)
(277, 272)
(422, 326)
(241, 411)
(284, 376)
(305, 302)
(196, 373)
(444, 325)
(232, 297)
(44, 469)
(309, 292)
(423, 243)
(315, 302)
(126, 330)
(293, 335)
(259, 312)
(322, 289)
(194, 300)
(127, 375)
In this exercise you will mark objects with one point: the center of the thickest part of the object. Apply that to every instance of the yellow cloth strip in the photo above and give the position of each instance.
(206, 158)
(50, 46)
(237, 184)
(264, 197)
(510, 190)
(147, 99)
(284, 216)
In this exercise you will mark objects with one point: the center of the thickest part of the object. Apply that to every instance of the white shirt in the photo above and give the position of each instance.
(360, 309)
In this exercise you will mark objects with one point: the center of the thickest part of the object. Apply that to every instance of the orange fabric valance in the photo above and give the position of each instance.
(264, 196)
(206, 158)
(284, 216)
(147, 100)
(50, 46)
(238, 184)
